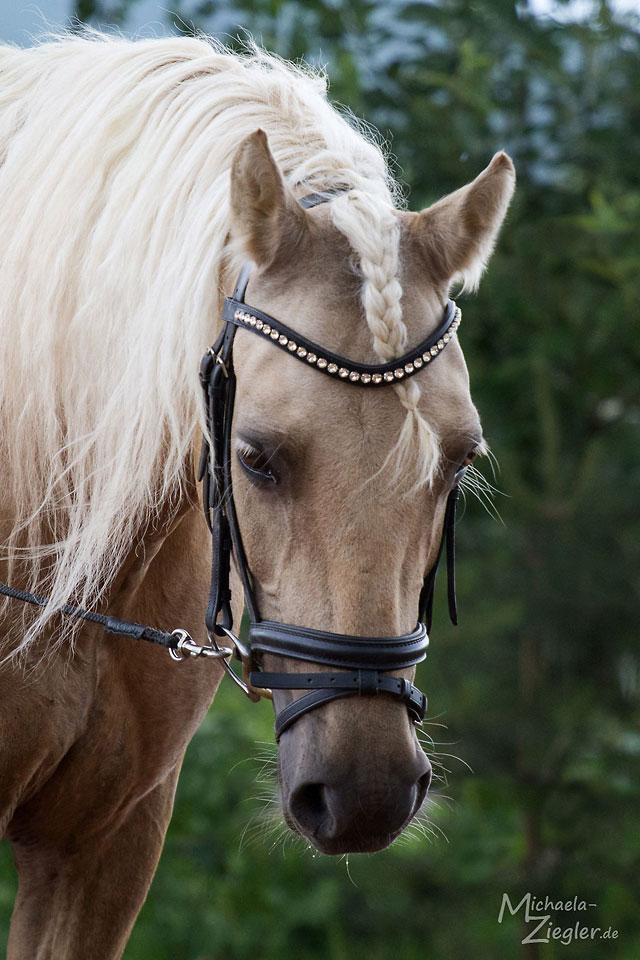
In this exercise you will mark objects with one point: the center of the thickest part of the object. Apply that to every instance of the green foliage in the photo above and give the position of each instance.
(540, 684)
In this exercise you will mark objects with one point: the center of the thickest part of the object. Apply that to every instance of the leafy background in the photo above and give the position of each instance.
(539, 686)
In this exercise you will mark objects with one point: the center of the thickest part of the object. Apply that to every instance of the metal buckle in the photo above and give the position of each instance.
(218, 359)
(186, 647)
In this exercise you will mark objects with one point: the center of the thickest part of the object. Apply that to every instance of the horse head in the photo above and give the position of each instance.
(341, 491)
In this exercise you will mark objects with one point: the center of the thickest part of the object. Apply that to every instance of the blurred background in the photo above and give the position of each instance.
(534, 698)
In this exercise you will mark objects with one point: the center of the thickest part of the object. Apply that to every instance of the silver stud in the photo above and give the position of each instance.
(274, 334)
(311, 358)
(408, 368)
(434, 351)
(399, 373)
(332, 368)
(301, 352)
(377, 378)
(417, 362)
(365, 378)
(343, 372)
(237, 315)
(292, 346)
(388, 376)
(252, 321)
(322, 363)
(440, 344)
(283, 340)
(354, 376)
(426, 357)
(259, 324)
(266, 329)
(446, 338)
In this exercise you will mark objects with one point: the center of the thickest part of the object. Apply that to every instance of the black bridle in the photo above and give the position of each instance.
(360, 665)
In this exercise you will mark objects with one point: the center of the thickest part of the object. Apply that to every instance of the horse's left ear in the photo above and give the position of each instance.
(266, 217)
(457, 233)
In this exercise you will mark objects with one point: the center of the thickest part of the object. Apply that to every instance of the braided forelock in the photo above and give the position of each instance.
(371, 226)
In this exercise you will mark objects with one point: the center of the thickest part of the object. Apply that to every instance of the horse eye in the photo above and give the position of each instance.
(256, 464)
(470, 457)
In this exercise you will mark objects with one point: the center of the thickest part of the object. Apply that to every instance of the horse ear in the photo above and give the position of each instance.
(265, 215)
(458, 232)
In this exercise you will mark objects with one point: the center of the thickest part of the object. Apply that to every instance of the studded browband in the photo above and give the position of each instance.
(359, 665)
(367, 375)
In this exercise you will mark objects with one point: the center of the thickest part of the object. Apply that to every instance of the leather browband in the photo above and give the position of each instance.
(335, 366)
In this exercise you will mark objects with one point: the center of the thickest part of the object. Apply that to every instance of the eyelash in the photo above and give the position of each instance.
(262, 473)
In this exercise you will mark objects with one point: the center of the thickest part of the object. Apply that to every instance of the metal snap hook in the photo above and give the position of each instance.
(186, 647)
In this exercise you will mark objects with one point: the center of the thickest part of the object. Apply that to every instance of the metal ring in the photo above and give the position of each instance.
(176, 652)
(242, 650)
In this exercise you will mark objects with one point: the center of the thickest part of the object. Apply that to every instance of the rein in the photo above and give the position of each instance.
(358, 665)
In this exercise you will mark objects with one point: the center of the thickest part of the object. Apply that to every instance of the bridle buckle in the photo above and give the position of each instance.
(218, 359)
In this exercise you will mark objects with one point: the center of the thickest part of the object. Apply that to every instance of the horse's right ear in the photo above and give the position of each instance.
(265, 215)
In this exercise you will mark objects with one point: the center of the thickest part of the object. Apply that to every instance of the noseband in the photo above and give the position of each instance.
(360, 665)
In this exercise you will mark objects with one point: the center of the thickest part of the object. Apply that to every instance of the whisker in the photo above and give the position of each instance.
(483, 490)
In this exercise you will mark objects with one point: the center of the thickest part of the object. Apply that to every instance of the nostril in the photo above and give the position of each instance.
(422, 785)
(308, 806)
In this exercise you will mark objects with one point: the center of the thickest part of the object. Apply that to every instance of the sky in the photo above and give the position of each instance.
(20, 20)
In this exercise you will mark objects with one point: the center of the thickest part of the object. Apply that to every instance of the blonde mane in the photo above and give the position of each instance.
(114, 197)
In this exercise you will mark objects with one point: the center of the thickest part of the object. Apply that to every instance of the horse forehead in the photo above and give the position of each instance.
(279, 395)
(321, 300)
(319, 291)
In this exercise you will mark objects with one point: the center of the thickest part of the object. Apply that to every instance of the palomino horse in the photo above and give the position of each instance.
(135, 179)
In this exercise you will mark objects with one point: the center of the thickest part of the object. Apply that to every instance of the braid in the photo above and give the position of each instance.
(369, 223)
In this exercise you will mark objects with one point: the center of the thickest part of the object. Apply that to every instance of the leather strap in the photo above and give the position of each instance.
(425, 606)
(339, 650)
(322, 196)
(326, 687)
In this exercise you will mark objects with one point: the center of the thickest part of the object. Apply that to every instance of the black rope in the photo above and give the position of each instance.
(113, 625)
